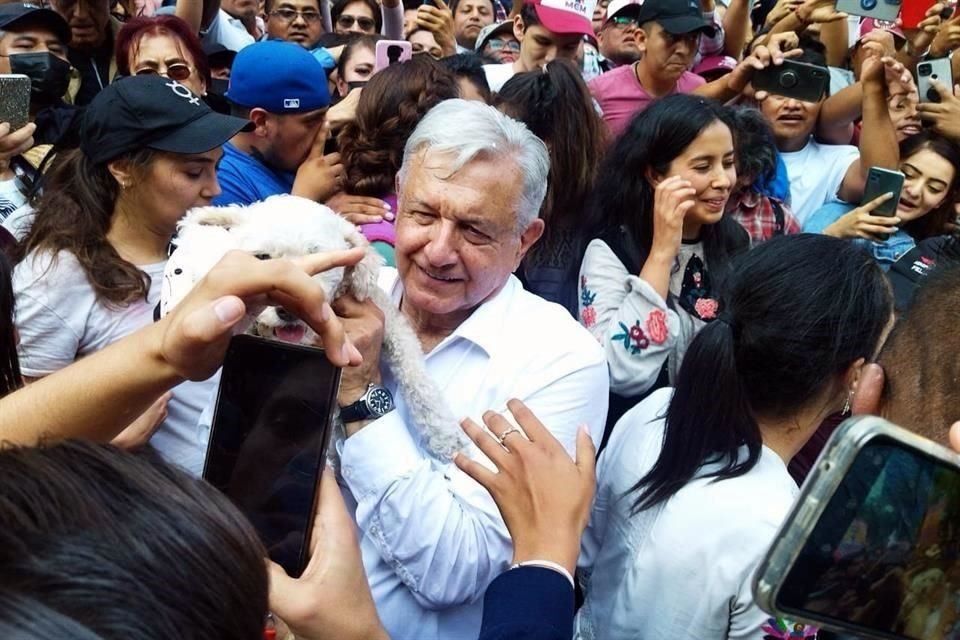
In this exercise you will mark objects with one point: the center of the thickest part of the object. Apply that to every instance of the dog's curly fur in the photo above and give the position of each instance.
(286, 227)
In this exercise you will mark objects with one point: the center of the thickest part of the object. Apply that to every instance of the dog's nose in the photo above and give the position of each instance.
(285, 315)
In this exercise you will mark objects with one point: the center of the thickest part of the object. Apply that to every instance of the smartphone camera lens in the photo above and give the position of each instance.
(788, 79)
(868, 4)
(924, 70)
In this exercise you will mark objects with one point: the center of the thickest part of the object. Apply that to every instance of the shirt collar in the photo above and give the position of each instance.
(485, 325)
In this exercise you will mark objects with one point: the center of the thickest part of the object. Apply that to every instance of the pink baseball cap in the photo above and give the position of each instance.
(870, 24)
(715, 63)
(565, 16)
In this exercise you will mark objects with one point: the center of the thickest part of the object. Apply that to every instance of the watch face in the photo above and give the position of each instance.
(380, 401)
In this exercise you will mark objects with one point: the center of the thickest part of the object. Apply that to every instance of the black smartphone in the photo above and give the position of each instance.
(798, 80)
(879, 182)
(268, 441)
(872, 544)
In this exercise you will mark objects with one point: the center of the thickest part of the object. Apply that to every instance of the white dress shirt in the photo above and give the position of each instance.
(432, 538)
(683, 569)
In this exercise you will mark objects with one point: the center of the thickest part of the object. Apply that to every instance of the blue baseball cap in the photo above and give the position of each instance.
(278, 76)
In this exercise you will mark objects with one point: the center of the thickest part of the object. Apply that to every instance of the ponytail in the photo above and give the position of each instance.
(708, 420)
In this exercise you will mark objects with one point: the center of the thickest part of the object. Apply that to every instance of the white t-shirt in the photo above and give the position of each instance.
(229, 31)
(683, 569)
(816, 173)
(60, 320)
(498, 74)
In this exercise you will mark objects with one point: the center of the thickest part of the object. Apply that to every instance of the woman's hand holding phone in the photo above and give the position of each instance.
(860, 223)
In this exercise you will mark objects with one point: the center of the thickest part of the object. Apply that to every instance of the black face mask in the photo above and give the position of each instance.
(49, 75)
(218, 86)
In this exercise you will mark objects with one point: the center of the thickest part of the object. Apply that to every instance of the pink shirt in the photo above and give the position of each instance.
(621, 96)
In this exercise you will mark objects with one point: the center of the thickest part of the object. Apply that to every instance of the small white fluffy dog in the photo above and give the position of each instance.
(286, 227)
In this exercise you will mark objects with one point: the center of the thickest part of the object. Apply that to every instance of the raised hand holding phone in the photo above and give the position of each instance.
(944, 114)
(862, 223)
(435, 16)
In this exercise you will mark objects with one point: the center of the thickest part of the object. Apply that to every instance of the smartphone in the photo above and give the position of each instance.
(268, 441)
(391, 52)
(872, 544)
(877, 9)
(798, 80)
(913, 12)
(879, 182)
(14, 100)
(938, 69)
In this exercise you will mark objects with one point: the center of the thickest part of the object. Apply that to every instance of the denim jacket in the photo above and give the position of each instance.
(886, 252)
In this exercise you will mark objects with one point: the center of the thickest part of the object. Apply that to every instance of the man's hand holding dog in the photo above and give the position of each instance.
(363, 323)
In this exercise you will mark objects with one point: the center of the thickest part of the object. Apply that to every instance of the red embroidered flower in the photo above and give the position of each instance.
(657, 326)
(706, 308)
(588, 317)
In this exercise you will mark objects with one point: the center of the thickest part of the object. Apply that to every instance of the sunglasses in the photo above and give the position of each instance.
(346, 21)
(289, 15)
(624, 21)
(178, 71)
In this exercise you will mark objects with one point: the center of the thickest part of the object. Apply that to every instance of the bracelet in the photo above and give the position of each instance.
(547, 564)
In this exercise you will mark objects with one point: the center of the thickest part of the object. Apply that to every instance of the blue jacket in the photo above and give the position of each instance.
(528, 603)
(886, 252)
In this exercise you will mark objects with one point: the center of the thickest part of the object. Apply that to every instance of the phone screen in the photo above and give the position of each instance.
(268, 441)
(884, 556)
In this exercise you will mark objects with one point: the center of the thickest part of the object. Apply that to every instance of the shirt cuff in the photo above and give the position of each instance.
(378, 455)
(547, 564)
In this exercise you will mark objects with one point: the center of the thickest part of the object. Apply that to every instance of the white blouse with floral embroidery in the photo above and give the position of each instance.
(636, 327)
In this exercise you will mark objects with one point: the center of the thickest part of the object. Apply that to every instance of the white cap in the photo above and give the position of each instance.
(617, 6)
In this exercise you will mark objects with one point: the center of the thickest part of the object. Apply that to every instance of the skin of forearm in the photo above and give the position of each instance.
(878, 145)
(736, 27)
(842, 108)
(94, 398)
(833, 35)
(191, 12)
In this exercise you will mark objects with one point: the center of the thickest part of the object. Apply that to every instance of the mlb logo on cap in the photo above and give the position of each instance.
(291, 103)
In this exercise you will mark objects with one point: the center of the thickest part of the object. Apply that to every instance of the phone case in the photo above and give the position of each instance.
(14, 100)
(392, 52)
(912, 12)
(798, 80)
(877, 9)
(938, 69)
(879, 182)
(838, 455)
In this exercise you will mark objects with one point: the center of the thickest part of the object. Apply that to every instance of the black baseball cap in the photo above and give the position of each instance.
(152, 112)
(22, 13)
(676, 16)
(218, 55)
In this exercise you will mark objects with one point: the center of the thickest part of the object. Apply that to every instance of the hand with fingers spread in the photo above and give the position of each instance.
(921, 38)
(946, 39)
(543, 495)
(360, 209)
(320, 176)
(945, 114)
(781, 10)
(861, 223)
(438, 19)
(779, 47)
(193, 338)
(331, 599)
(142, 429)
(12, 144)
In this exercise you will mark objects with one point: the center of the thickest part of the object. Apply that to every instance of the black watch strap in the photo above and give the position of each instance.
(355, 412)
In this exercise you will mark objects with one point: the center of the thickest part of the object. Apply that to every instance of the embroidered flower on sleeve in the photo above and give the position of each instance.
(657, 326)
(706, 308)
(633, 338)
(781, 629)
(588, 315)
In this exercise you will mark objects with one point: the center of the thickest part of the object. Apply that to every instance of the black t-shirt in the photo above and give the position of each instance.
(94, 68)
(909, 272)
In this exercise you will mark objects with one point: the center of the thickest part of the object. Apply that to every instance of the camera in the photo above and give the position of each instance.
(798, 80)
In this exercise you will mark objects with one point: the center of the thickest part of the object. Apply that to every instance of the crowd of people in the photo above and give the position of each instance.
(650, 289)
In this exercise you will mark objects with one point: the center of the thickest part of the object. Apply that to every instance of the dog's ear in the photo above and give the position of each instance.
(225, 217)
(361, 277)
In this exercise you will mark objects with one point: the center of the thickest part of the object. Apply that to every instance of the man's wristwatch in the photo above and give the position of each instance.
(375, 403)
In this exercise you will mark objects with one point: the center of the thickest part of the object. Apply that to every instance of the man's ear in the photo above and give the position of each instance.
(641, 37)
(868, 391)
(518, 28)
(260, 119)
(529, 238)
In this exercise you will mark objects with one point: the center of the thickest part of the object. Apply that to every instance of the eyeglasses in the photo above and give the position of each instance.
(346, 21)
(178, 71)
(624, 21)
(289, 15)
(496, 44)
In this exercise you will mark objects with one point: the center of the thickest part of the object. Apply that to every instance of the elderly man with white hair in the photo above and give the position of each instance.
(470, 190)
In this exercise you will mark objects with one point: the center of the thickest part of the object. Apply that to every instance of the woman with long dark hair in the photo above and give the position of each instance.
(926, 208)
(90, 269)
(10, 379)
(662, 244)
(556, 106)
(694, 483)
